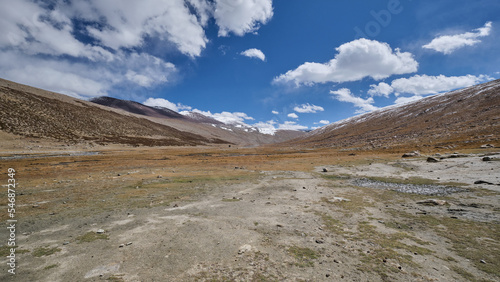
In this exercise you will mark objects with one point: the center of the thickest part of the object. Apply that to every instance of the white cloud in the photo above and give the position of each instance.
(254, 53)
(41, 46)
(291, 125)
(226, 117)
(382, 89)
(354, 61)
(345, 95)
(270, 127)
(80, 79)
(275, 112)
(266, 127)
(293, 115)
(324, 121)
(307, 108)
(241, 16)
(447, 44)
(424, 84)
(405, 100)
(163, 103)
(128, 22)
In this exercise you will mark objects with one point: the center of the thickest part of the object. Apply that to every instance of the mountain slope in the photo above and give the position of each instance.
(33, 112)
(136, 108)
(465, 117)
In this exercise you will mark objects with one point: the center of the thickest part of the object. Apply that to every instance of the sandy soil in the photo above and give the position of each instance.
(234, 214)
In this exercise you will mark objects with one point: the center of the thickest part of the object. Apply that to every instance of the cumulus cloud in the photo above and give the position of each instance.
(307, 108)
(293, 115)
(163, 103)
(83, 80)
(345, 95)
(405, 100)
(291, 125)
(88, 48)
(225, 117)
(424, 84)
(271, 126)
(241, 16)
(275, 112)
(354, 61)
(382, 89)
(447, 44)
(324, 121)
(254, 53)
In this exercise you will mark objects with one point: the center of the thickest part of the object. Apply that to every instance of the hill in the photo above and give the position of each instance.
(33, 112)
(462, 118)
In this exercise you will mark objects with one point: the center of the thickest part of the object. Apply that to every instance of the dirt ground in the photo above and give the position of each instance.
(248, 214)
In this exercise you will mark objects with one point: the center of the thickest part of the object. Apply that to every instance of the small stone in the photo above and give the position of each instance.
(65, 243)
(432, 160)
(433, 202)
(325, 170)
(100, 231)
(319, 241)
(244, 248)
(159, 176)
(121, 246)
(327, 275)
(483, 261)
(487, 159)
(128, 244)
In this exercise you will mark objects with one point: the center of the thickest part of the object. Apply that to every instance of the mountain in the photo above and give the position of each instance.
(33, 112)
(198, 123)
(136, 108)
(465, 118)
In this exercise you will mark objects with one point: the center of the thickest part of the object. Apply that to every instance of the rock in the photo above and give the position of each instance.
(483, 182)
(100, 231)
(325, 170)
(320, 241)
(121, 246)
(65, 243)
(485, 146)
(411, 155)
(128, 244)
(432, 160)
(339, 199)
(159, 176)
(244, 248)
(482, 261)
(487, 159)
(433, 202)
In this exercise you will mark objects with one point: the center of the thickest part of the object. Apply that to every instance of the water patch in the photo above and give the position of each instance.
(421, 189)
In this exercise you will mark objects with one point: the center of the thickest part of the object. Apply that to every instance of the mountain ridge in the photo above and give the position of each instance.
(464, 117)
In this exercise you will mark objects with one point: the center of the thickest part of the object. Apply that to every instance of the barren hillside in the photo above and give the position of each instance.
(465, 118)
(33, 112)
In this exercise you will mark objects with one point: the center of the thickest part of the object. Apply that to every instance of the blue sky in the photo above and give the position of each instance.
(286, 64)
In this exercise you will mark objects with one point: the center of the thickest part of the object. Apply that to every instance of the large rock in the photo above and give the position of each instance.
(411, 155)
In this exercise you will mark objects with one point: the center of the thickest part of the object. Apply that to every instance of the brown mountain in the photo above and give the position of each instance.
(464, 118)
(33, 112)
(136, 108)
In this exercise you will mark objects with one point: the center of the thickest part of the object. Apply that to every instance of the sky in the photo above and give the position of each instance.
(285, 64)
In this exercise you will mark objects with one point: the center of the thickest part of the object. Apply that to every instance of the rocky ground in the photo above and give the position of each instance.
(247, 214)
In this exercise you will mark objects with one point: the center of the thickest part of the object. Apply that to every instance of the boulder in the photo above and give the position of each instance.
(432, 160)
(433, 202)
(411, 155)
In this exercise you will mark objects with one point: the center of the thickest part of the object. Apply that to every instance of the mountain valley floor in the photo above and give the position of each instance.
(221, 213)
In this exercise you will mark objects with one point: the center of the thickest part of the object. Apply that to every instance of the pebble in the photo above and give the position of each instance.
(325, 170)
(320, 241)
(128, 244)
(121, 246)
(100, 231)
